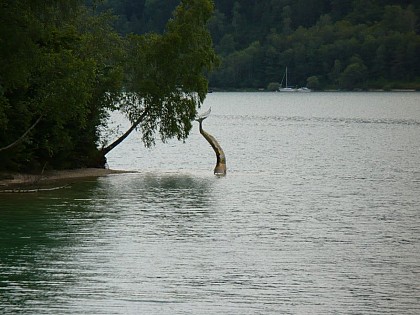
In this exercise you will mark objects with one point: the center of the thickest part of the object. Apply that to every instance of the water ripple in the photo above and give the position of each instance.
(318, 214)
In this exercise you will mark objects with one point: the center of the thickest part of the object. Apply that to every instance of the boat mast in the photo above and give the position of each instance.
(282, 79)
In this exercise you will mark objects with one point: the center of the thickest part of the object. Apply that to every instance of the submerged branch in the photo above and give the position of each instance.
(220, 168)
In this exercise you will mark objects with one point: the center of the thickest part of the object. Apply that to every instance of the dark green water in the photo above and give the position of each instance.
(319, 214)
(38, 234)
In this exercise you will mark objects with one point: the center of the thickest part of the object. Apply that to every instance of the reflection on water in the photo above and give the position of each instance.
(36, 239)
(63, 251)
(318, 214)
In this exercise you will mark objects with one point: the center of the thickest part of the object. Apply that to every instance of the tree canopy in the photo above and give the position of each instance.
(327, 44)
(63, 68)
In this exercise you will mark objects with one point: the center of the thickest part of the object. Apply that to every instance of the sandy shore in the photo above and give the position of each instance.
(49, 178)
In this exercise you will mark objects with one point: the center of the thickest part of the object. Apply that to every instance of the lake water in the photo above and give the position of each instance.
(319, 214)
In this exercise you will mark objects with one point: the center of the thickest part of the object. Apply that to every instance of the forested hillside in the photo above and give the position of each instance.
(326, 44)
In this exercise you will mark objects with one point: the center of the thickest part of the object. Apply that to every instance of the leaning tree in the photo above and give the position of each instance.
(65, 69)
(165, 75)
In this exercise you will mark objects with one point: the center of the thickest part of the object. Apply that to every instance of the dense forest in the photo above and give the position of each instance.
(326, 44)
(64, 68)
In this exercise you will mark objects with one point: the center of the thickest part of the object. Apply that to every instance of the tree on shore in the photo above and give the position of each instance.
(63, 68)
(167, 81)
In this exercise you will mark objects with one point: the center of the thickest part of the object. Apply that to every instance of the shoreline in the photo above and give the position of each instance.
(16, 181)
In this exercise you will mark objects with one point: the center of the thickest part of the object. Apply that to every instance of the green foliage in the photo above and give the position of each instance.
(63, 68)
(312, 38)
(313, 83)
(139, 16)
(307, 36)
(316, 40)
(353, 76)
(273, 86)
(167, 73)
(42, 76)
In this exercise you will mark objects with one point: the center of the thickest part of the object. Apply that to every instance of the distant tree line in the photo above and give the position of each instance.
(326, 44)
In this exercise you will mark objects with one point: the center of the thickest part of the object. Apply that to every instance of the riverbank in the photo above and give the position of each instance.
(18, 181)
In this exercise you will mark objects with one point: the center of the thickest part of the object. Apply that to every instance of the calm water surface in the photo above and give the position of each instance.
(319, 214)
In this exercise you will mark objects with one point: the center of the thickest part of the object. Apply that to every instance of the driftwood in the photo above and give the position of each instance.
(32, 185)
(33, 190)
(220, 168)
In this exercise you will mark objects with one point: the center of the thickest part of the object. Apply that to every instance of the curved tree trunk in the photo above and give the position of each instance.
(20, 139)
(220, 168)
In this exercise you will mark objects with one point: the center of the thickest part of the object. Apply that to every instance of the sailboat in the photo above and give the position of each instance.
(286, 88)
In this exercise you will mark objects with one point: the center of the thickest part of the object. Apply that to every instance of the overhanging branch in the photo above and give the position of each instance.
(110, 147)
(20, 139)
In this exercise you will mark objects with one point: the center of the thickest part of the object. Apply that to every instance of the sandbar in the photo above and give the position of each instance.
(51, 177)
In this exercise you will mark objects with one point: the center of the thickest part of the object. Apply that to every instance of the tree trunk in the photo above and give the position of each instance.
(107, 149)
(20, 139)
